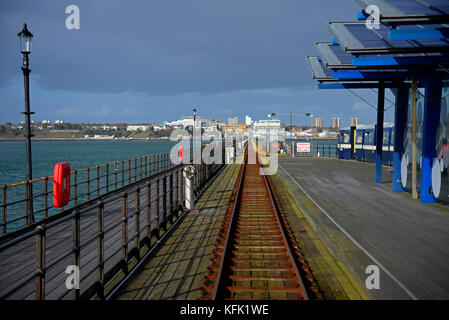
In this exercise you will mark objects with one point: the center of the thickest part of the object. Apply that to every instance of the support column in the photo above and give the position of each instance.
(352, 141)
(432, 106)
(380, 131)
(400, 122)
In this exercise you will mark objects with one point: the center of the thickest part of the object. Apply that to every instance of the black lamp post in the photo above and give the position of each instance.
(25, 45)
(194, 117)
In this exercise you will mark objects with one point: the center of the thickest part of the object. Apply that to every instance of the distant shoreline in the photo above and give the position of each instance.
(314, 138)
(82, 139)
(142, 139)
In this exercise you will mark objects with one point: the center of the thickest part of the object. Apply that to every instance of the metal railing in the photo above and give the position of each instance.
(326, 151)
(104, 236)
(86, 184)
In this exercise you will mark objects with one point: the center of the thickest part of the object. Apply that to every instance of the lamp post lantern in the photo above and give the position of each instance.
(25, 47)
(196, 139)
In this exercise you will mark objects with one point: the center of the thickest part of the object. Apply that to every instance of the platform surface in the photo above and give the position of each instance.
(365, 224)
(178, 268)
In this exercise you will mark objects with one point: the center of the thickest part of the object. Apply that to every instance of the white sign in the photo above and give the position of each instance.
(303, 147)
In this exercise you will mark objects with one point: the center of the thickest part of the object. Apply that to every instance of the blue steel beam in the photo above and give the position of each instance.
(418, 34)
(432, 107)
(357, 85)
(361, 15)
(348, 75)
(379, 132)
(379, 74)
(400, 123)
(398, 61)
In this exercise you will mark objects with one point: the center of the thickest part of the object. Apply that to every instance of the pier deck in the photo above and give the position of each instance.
(177, 269)
(364, 224)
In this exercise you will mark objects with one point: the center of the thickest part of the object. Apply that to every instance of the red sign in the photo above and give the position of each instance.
(61, 184)
(303, 147)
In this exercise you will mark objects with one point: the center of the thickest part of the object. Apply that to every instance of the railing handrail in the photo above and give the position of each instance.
(85, 206)
(5, 186)
(85, 187)
(171, 193)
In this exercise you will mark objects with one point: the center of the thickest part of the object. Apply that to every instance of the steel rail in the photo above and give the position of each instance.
(230, 246)
(275, 207)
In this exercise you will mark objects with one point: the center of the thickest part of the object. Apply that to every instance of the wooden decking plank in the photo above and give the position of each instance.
(177, 270)
(18, 262)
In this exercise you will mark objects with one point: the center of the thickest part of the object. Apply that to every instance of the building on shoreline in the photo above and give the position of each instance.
(248, 120)
(233, 120)
(336, 123)
(272, 127)
(138, 127)
(353, 121)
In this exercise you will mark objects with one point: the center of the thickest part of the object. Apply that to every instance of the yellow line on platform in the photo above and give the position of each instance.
(332, 276)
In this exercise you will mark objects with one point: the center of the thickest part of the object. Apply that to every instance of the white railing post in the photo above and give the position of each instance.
(189, 174)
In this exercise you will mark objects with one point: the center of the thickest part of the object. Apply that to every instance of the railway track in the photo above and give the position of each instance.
(256, 256)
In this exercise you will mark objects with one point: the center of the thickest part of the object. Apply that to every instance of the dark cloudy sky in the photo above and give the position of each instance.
(153, 60)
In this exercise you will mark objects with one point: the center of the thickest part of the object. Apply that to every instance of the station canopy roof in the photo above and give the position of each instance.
(318, 69)
(335, 58)
(416, 44)
(356, 38)
(410, 11)
(321, 73)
